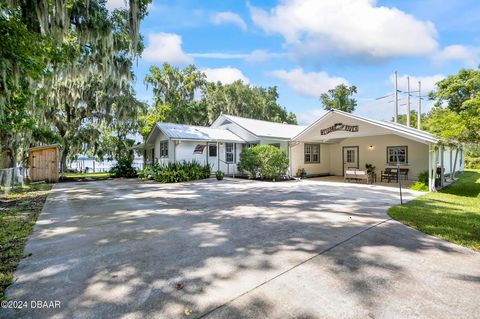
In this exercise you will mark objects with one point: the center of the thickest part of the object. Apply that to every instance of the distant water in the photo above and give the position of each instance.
(87, 164)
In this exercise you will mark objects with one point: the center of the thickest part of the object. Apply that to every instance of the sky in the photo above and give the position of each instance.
(306, 47)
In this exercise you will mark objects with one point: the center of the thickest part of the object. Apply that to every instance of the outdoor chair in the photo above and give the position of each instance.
(389, 174)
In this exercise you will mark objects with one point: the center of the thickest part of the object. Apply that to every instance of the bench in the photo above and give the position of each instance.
(357, 175)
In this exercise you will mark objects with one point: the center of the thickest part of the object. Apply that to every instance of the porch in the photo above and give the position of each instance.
(340, 180)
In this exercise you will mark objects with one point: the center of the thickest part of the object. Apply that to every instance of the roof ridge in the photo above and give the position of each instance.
(248, 118)
(184, 124)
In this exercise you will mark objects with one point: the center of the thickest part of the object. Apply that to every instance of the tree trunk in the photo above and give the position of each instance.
(63, 164)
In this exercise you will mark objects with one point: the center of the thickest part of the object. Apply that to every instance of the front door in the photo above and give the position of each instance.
(350, 157)
(212, 150)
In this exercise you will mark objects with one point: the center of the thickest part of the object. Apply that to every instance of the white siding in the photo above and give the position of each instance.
(297, 160)
(240, 131)
(417, 153)
(163, 160)
(184, 152)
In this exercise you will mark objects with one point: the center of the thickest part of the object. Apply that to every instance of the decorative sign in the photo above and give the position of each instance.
(339, 127)
(199, 149)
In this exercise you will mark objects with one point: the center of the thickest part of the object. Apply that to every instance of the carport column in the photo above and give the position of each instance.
(442, 175)
(218, 157)
(289, 149)
(431, 168)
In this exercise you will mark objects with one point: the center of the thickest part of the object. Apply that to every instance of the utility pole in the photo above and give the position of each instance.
(395, 98)
(419, 115)
(408, 101)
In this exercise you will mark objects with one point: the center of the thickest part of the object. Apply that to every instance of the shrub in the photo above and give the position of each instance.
(472, 162)
(123, 168)
(176, 172)
(264, 161)
(422, 183)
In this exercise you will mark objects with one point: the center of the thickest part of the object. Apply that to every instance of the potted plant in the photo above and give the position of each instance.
(301, 172)
(219, 174)
(371, 170)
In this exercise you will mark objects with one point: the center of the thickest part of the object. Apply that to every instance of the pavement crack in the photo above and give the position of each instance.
(293, 267)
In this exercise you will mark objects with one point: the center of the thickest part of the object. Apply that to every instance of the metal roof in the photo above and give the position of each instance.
(394, 127)
(197, 133)
(265, 128)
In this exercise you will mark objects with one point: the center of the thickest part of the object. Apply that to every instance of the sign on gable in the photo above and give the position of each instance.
(339, 127)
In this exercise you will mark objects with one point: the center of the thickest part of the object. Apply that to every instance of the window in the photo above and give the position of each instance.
(277, 145)
(164, 149)
(350, 156)
(212, 150)
(312, 153)
(402, 155)
(229, 153)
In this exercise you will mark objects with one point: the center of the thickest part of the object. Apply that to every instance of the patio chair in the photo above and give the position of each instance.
(389, 174)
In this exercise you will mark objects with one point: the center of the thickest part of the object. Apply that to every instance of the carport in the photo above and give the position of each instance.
(340, 140)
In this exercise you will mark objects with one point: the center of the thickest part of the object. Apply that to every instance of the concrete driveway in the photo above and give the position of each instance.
(239, 249)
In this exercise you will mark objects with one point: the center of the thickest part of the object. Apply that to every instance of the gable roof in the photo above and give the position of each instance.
(197, 133)
(397, 128)
(265, 129)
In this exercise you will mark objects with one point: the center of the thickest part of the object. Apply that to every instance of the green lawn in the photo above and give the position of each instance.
(102, 175)
(18, 213)
(452, 213)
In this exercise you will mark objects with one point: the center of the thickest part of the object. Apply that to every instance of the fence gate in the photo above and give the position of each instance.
(44, 163)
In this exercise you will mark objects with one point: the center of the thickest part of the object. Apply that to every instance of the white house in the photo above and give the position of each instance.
(334, 142)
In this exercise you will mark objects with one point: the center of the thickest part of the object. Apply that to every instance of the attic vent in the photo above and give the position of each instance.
(226, 122)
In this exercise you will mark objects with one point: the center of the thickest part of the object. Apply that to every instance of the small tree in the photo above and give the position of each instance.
(340, 98)
(264, 161)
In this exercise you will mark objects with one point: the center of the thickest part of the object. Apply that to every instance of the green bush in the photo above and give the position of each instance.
(123, 168)
(176, 172)
(263, 161)
(422, 183)
(472, 162)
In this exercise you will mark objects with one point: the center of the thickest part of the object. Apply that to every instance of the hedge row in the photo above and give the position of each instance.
(176, 172)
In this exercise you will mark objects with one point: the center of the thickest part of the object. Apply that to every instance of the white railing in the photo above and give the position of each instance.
(228, 167)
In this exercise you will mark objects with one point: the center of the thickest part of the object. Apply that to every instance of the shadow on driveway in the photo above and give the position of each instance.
(241, 249)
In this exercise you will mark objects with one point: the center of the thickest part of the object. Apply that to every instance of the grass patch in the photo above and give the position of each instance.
(452, 213)
(101, 175)
(18, 213)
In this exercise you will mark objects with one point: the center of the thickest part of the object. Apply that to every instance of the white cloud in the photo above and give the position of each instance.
(309, 116)
(225, 75)
(165, 47)
(254, 56)
(219, 55)
(310, 83)
(262, 55)
(229, 17)
(116, 4)
(469, 55)
(428, 82)
(347, 27)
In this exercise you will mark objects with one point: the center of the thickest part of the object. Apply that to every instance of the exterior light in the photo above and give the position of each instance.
(370, 147)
